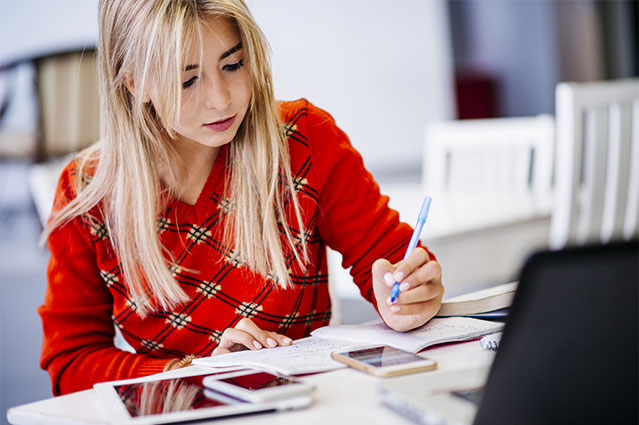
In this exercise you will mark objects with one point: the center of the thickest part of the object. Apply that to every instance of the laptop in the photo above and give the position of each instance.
(569, 352)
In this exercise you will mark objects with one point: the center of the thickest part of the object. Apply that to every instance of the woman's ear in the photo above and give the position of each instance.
(128, 82)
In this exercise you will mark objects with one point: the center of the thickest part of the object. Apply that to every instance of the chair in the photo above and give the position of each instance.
(66, 99)
(597, 168)
(67, 90)
(490, 181)
(499, 168)
(66, 94)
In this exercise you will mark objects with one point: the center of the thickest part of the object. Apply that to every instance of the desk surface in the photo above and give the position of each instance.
(343, 396)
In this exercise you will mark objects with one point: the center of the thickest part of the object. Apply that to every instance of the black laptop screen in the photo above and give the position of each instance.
(569, 353)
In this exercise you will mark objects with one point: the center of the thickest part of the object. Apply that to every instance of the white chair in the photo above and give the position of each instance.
(597, 163)
(491, 186)
(490, 170)
(490, 181)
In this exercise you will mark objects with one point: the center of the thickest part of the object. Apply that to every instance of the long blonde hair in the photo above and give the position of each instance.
(145, 41)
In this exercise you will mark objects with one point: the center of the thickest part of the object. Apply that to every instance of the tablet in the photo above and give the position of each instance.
(178, 398)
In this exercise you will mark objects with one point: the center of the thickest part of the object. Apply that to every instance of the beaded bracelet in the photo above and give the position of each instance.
(179, 363)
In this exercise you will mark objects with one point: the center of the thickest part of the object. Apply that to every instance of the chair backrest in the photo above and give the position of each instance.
(509, 158)
(67, 91)
(597, 163)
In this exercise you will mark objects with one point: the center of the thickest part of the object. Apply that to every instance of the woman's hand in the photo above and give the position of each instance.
(421, 290)
(247, 335)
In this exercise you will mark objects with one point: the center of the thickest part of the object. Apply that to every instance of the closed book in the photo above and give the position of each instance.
(479, 302)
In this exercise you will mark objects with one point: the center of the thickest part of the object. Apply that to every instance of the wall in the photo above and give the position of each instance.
(382, 71)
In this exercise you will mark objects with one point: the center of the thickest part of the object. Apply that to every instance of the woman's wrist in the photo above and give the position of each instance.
(179, 363)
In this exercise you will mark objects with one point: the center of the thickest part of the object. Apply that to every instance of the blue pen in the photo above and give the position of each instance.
(421, 219)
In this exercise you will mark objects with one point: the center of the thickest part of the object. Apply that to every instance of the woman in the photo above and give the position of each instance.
(198, 223)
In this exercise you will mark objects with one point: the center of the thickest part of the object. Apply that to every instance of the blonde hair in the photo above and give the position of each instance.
(169, 395)
(144, 41)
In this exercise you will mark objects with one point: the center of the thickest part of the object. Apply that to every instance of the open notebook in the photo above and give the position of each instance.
(313, 354)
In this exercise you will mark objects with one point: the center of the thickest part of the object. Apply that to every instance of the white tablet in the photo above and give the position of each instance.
(177, 398)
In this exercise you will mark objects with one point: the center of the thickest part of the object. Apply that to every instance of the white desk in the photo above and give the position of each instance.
(344, 396)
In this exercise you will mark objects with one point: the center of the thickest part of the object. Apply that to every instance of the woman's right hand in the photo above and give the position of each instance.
(247, 335)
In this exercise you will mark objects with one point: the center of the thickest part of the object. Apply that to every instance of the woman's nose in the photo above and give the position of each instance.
(216, 94)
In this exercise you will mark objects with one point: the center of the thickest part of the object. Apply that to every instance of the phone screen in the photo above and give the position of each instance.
(383, 356)
(258, 381)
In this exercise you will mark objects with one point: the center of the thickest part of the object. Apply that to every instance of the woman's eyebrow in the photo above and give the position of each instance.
(226, 54)
(232, 50)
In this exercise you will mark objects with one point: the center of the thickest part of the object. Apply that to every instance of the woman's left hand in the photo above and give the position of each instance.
(420, 294)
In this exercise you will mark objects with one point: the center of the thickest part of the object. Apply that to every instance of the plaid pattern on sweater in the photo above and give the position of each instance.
(341, 206)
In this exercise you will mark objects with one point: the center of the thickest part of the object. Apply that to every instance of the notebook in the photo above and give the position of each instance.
(569, 352)
(313, 354)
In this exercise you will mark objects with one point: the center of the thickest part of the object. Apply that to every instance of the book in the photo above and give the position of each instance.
(480, 302)
(313, 354)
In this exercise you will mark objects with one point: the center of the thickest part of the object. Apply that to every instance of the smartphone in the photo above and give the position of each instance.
(384, 361)
(257, 386)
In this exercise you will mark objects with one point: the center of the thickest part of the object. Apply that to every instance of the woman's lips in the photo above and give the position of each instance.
(221, 125)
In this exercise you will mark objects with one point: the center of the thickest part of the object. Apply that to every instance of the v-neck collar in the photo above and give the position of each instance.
(215, 180)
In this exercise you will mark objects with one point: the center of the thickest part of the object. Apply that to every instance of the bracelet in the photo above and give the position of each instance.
(179, 363)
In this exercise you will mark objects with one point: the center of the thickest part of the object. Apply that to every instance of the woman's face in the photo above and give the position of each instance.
(216, 87)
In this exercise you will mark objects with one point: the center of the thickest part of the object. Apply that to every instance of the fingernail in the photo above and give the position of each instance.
(287, 340)
(404, 286)
(399, 276)
(257, 345)
(394, 309)
(389, 301)
(388, 278)
(271, 342)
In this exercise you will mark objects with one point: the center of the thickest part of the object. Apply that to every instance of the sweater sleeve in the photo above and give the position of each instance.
(78, 348)
(355, 219)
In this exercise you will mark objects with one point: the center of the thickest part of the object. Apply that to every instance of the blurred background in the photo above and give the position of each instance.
(386, 70)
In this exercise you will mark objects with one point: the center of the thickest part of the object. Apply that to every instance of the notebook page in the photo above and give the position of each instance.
(306, 355)
(436, 331)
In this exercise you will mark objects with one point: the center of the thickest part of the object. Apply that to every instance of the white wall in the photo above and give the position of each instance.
(381, 70)
(36, 26)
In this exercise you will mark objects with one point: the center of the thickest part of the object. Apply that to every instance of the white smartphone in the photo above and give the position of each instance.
(384, 361)
(257, 386)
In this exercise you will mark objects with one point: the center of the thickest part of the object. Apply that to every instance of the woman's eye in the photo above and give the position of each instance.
(234, 66)
(189, 82)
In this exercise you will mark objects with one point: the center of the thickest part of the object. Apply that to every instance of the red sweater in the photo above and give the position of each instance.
(341, 207)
